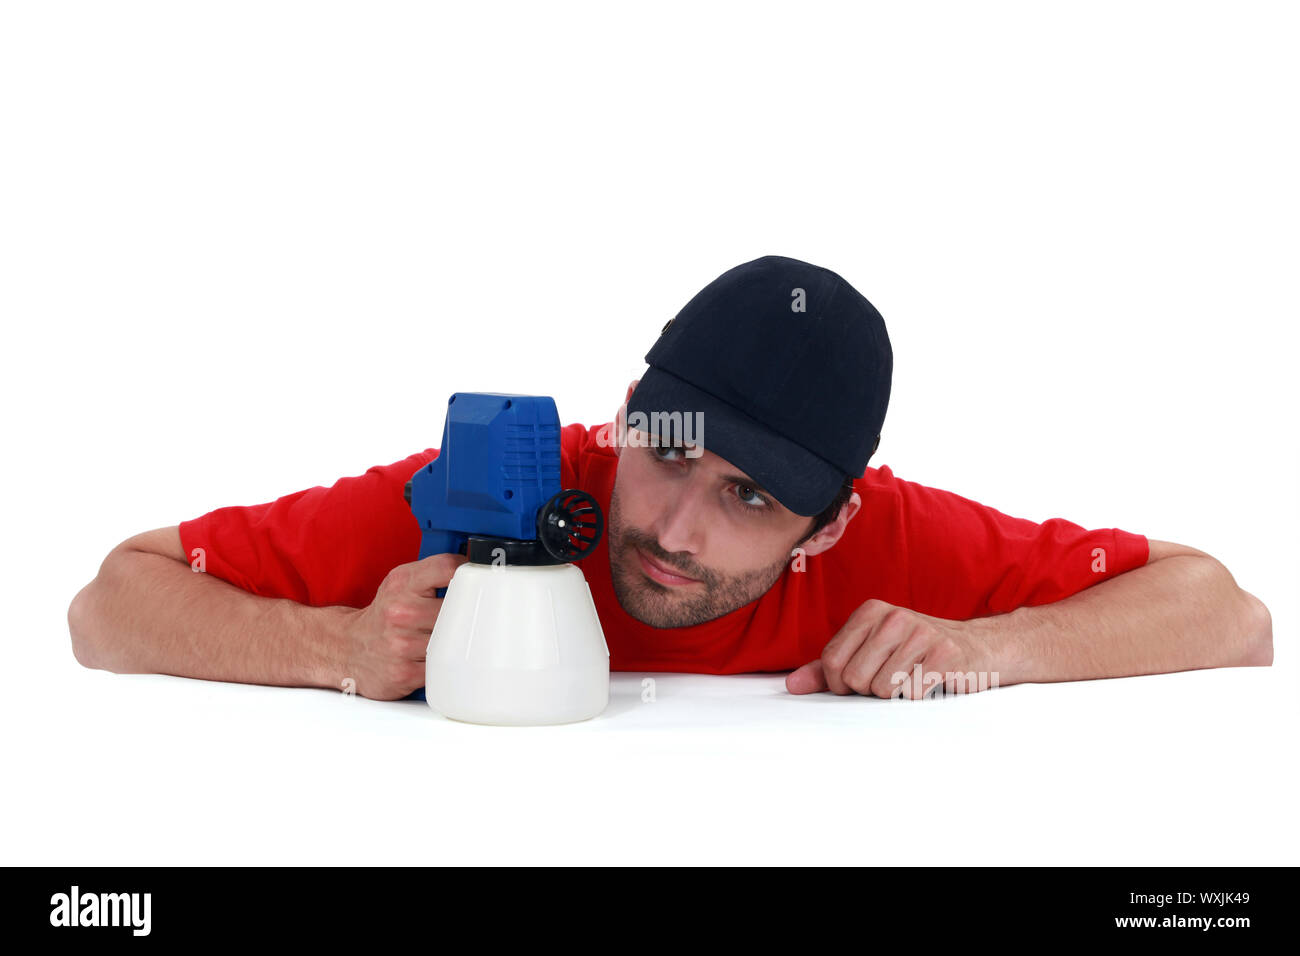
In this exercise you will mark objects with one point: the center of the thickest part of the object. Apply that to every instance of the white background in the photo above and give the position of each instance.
(246, 248)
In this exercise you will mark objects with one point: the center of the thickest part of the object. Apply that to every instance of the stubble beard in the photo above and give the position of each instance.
(662, 606)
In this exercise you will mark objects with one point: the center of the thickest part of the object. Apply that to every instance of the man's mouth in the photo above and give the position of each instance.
(660, 573)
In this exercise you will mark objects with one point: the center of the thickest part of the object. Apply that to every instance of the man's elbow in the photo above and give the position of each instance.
(81, 627)
(1259, 644)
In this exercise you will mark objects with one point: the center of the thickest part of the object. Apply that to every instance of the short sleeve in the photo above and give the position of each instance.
(321, 546)
(964, 559)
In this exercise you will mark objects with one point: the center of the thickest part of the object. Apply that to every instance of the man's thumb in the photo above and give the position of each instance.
(808, 679)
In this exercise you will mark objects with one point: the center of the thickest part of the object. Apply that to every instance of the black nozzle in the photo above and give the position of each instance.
(570, 525)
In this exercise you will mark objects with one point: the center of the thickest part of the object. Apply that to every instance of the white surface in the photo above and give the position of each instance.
(251, 248)
(1193, 768)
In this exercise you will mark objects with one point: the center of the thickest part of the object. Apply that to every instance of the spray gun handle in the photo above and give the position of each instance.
(438, 542)
(442, 542)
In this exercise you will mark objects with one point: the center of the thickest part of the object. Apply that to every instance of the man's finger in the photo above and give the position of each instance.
(435, 571)
(808, 679)
(841, 648)
(854, 672)
(413, 643)
(903, 660)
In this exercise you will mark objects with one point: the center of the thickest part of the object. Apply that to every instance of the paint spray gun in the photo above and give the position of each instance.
(517, 640)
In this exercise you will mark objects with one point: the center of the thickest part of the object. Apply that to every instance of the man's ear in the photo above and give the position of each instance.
(825, 539)
(620, 417)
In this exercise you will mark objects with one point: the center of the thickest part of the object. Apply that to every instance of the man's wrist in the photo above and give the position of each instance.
(1000, 645)
(326, 640)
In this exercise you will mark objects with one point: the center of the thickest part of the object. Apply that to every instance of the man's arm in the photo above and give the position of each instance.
(1181, 611)
(148, 611)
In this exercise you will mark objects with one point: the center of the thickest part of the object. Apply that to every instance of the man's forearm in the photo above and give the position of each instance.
(148, 613)
(1179, 613)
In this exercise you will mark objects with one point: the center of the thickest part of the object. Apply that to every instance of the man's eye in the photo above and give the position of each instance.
(748, 500)
(757, 503)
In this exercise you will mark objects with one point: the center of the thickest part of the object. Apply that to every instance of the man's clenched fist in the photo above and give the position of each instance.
(890, 651)
(386, 641)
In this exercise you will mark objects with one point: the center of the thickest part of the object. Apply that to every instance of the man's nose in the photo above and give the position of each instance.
(682, 521)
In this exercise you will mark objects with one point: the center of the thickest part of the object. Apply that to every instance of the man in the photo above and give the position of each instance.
(760, 541)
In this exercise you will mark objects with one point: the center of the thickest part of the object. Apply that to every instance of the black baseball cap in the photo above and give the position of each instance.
(788, 369)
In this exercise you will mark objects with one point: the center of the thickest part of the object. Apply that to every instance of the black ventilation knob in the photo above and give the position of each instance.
(570, 525)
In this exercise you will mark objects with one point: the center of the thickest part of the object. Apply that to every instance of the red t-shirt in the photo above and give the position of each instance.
(917, 547)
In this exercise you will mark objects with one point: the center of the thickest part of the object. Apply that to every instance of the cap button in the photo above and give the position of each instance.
(665, 328)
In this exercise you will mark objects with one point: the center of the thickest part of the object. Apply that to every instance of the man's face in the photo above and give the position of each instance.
(724, 537)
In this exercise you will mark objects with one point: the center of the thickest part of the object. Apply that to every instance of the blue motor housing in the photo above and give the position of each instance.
(498, 463)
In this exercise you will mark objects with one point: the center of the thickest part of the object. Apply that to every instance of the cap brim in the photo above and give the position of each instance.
(801, 481)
